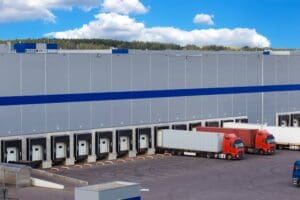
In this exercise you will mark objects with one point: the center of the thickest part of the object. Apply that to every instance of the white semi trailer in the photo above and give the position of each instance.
(207, 144)
(285, 137)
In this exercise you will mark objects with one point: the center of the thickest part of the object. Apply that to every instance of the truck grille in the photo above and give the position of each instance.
(241, 155)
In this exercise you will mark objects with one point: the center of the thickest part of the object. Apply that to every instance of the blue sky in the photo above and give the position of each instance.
(275, 21)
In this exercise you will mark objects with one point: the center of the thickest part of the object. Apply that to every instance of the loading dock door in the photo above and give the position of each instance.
(283, 120)
(37, 152)
(12, 154)
(295, 118)
(61, 150)
(179, 127)
(156, 129)
(144, 141)
(36, 149)
(104, 145)
(212, 124)
(193, 125)
(242, 120)
(83, 148)
(124, 143)
(224, 121)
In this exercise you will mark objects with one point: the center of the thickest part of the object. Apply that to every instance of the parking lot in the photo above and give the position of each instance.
(173, 177)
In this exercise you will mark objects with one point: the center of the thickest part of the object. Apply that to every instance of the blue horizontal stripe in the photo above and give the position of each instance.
(133, 198)
(106, 96)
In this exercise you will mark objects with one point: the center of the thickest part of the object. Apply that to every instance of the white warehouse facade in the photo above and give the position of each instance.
(94, 96)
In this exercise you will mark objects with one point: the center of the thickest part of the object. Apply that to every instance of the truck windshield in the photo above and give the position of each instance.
(238, 144)
(270, 139)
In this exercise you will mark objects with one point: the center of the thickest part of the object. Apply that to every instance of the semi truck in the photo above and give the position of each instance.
(210, 145)
(255, 140)
(285, 137)
(296, 173)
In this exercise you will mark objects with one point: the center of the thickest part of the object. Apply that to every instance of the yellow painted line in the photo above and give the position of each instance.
(86, 164)
(109, 162)
(130, 159)
(151, 157)
(167, 154)
(100, 163)
(141, 158)
(64, 167)
(53, 168)
(120, 160)
(80, 166)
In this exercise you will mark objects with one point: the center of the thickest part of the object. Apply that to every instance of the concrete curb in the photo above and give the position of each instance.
(60, 177)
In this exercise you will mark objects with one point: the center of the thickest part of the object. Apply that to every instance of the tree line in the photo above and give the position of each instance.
(108, 43)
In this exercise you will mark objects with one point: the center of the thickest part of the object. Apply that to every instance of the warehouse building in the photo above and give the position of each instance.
(65, 106)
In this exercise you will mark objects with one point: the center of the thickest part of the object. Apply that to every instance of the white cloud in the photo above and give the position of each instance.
(22, 10)
(204, 19)
(124, 6)
(122, 27)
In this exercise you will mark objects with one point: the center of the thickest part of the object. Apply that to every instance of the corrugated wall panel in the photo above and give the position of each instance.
(254, 63)
(57, 82)
(140, 109)
(80, 82)
(194, 80)
(159, 80)
(101, 81)
(225, 79)
(177, 80)
(80, 116)
(254, 108)
(210, 79)
(121, 113)
(33, 83)
(10, 117)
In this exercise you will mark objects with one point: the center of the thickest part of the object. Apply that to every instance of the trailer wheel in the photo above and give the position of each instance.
(208, 155)
(229, 157)
(279, 147)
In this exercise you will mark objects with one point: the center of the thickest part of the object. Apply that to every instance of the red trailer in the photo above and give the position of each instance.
(255, 140)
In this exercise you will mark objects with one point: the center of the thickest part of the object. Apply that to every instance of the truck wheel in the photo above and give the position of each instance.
(208, 155)
(261, 152)
(229, 157)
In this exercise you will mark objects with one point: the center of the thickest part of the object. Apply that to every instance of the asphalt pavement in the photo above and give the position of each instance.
(259, 177)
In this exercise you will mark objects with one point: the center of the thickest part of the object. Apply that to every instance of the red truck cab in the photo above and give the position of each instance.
(233, 147)
(265, 142)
